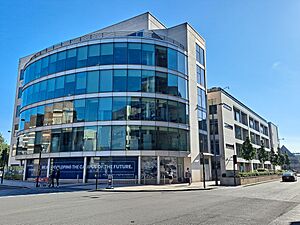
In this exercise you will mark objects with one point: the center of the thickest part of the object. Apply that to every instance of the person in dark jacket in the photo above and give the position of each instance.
(52, 177)
(57, 176)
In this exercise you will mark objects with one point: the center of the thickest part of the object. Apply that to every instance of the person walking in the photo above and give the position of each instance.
(52, 177)
(57, 176)
(188, 176)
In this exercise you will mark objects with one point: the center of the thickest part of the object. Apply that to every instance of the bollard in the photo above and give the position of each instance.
(96, 181)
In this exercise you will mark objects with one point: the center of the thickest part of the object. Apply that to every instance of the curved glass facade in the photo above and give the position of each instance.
(99, 81)
(103, 138)
(104, 109)
(107, 54)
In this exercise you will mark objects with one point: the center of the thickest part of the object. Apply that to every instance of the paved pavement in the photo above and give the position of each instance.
(273, 203)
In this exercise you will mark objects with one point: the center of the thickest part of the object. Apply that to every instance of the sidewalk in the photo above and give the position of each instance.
(119, 187)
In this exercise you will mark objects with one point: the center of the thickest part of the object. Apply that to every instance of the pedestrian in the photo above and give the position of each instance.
(170, 176)
(188, 176)
(57, 176)
(52, 177)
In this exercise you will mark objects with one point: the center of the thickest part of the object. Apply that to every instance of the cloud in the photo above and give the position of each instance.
(276, 65)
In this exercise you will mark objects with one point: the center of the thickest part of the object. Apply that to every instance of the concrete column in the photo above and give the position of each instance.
(251, 166)
(158, 170)
(48, 167)
(139, 169)
(84, 169)
(24, 171)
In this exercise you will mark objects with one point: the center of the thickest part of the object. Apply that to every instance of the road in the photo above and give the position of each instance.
(273, 203)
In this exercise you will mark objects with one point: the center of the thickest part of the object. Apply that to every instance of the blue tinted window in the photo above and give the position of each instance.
(50, 88)
(55, 140)
(120, 80)
(70, 85)
(66, 140)
(118, 137)
(82, 56)
(104, 138)
(182, 63)
(106, 80)
(134, 80)
(148, 81)
(106, 56)
(38, 67)
(52, 63)
(161, 110)
(172, 85)
(172, 59)
(199, 54)
(119, 108)
(134, 108)
(105, 109)
(148, 138)
(78, 134)
(148, 109)
(80, 83)
(161, 83)
(148, 54)
(43, 90)
(59, 86)
(161, 56)
(91, 109)
(71, 59)
(61, 61)
(120, 53)
(36, 94)
(172, 111)
(94, 55)
(92, 82)
(90, 138)
(182, 87)
(79, 110)
(44, 66)
(181, 113)
(40, 116)
(134, 53)
(163, 140)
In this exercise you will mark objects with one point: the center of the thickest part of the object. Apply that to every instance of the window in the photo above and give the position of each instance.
(199, 54)
(78, 137)
(182, 114)
(106, 56)
(44, 67)
(134, 80)
(93, 55)
(120, 80)
(148, 109)
(237, 114)
(82, 56)
(52, 64)
(71, 59)
(120, 53)
(133, 138)
(172, 59)
(134, 53)
(70, 85)
(214, 127)
(148, 54)
(200, 76)
(80, 83)
(68, 111)
(201, 98)
(244, 118)
(61, 61)
(118, 137)
(203, 145)
(172, 110)
(182, 63)
(119, 108)
(104, 138)
(173, 138)
(161, 110)
(59, 86)
(38, 69)
(245, 134)
(106, 80)
(161, 56)
(92, 82)
(66, 140)
(79, 110)
(161, 82)
(148, 81)
(148, 138)
(55, 140)
(50, 88)
(251, 122)
(202, 124)
(90, 138)
(228, 126)
(212, 109)
(182, 140)
(182, 88)
(163, 140)
(40, 116)
(134, 108)
(43, 90)
(91, 109)
(105, 109)
(238, 132)
(172, 85)
(57, 112)
(48, 118)
(217, 147)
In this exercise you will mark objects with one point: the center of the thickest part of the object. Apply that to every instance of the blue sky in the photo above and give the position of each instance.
(252, 46)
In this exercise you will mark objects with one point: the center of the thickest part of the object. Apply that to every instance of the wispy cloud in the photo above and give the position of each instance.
(283, 69)
(276, 65)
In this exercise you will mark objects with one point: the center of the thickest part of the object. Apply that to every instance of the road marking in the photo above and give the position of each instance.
(39, 194)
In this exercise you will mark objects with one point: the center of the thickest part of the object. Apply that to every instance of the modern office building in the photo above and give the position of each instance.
(127, 100)
(231, 122)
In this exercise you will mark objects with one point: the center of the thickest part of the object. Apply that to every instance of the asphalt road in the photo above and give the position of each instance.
(272, 203)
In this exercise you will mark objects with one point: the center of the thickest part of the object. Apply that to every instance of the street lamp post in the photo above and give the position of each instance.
(39, 168)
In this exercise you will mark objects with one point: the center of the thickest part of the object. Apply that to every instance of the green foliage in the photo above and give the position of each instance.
(273, 157)
(4, 151)
(248, 152)
(262, 154)
(281, 159)
(259, 173)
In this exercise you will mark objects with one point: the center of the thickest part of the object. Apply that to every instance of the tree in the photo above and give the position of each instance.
(281, 159)
(248, 152)
(262, 154)
(4, 151)
(287, 161)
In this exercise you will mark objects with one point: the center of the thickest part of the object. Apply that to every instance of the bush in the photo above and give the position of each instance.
(258, 173)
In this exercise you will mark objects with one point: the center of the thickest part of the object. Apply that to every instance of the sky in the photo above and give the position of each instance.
(252, 46)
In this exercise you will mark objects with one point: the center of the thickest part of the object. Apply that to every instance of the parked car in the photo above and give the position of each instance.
(289, 176)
